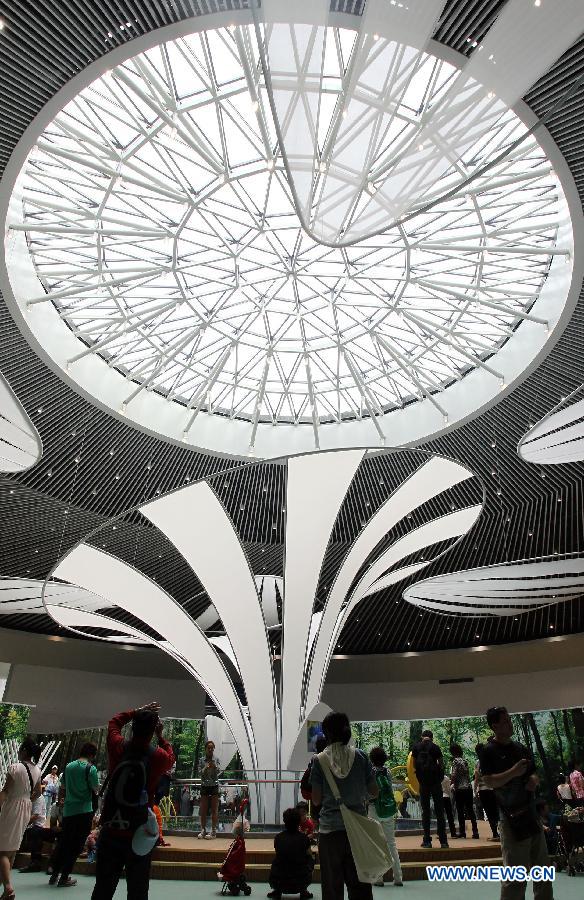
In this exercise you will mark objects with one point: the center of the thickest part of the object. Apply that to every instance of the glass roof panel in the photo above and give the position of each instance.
(162, 226)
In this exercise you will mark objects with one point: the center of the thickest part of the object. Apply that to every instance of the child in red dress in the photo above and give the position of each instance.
(306, 823)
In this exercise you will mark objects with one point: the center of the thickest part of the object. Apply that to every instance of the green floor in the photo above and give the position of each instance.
(33, 887)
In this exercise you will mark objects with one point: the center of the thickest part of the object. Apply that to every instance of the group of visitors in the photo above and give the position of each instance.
(570, 788)
(127, 830)
(504, 779)
(450, 791)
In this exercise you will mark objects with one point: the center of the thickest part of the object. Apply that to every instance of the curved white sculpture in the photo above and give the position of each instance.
(504, 590)
(558, 437)
(20, 445)
(194, 520)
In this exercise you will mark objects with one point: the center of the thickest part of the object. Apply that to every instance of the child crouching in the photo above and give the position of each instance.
(291, 871)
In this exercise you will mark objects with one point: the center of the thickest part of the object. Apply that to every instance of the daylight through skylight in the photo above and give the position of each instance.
(162, 226)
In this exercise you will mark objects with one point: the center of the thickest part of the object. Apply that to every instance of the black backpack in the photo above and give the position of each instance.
(126, 802)
(428, 769)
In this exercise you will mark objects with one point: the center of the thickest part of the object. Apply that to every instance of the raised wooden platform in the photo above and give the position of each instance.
(188, 859)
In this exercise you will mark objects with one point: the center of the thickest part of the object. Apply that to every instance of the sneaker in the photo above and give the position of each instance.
(54, 878)
(69, 882)
(398, 884)
(460, 836)
(202, 834)
(210, 836)
(445, 846)
(427, 845)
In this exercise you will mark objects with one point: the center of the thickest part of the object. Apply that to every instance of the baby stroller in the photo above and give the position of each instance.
(571, 842)
(232, 872)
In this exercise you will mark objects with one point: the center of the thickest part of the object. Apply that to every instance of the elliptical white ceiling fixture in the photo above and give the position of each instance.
(505, 590)
(25, 595)
(558, 437)
(173, 247)
(20, 444)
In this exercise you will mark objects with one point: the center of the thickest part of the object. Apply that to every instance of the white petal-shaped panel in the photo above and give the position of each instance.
(524, 41)
(503, 590)
(78, 620)
(442, 529)
(558, 437)
(432, 478)
(128, 589)
(20, 445)
(268, 587)
(316, 487)
(209, 543)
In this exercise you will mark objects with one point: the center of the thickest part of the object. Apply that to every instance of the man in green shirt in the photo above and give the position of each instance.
(81, 784)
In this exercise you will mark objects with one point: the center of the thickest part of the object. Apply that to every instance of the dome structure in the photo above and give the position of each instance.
(260, 253)
(207, 257)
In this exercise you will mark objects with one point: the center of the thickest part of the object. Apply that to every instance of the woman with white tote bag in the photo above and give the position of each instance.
(343, 781)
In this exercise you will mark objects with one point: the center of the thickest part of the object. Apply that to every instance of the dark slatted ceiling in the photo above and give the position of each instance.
(94, 467)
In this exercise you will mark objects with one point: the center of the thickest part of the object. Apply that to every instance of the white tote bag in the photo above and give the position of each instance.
(366, 837)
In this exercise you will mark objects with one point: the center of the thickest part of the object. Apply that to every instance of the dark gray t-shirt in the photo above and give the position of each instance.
(353, 790)
(496, 758)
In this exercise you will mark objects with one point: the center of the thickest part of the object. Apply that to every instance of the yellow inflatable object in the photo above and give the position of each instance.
(167, 809)
(412, 779)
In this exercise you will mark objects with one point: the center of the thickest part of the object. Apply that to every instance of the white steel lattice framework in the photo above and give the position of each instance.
(296, 225)
(194, 519)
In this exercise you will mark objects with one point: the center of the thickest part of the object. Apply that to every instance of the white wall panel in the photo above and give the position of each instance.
(528, 692)
(97, 696)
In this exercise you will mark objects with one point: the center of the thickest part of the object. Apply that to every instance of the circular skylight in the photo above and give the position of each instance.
(161, 217)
